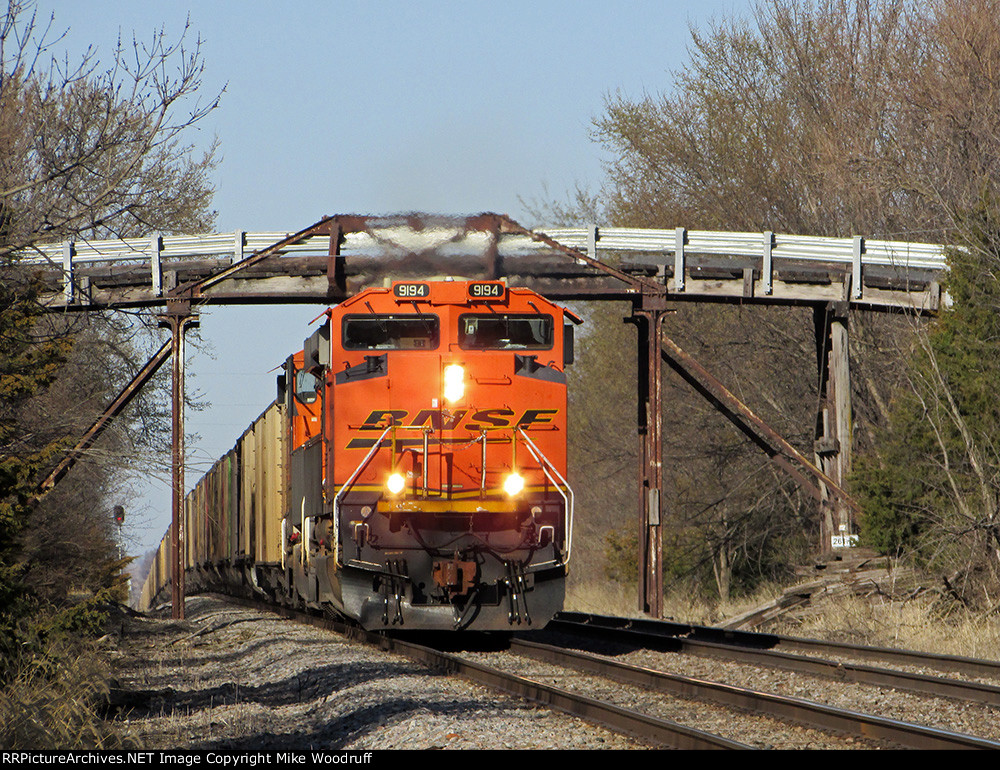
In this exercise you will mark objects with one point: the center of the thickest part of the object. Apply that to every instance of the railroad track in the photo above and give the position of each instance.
(754, 639)
(836, 660)
(804, 712)
(652, 705)
(629, 721)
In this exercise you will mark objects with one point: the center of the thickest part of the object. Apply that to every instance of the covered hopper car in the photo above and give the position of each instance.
(411, 473)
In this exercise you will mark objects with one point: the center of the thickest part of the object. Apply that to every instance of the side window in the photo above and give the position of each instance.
(306, 386)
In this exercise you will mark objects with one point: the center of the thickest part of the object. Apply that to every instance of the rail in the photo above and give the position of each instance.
(973, 667)
(595, 711)
(808, 713)
(645, 634)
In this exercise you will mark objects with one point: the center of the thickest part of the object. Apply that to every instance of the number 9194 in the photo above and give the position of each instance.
(487, 290)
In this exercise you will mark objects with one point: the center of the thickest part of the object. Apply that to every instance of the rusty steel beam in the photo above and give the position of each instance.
(649, 321)
(335, 264)
(834, 429)
(635, 282)
(194, 289)
(648, 312)
(178, 319)
(336, 275)
(122, 400)
(336, 227)
(787, 457)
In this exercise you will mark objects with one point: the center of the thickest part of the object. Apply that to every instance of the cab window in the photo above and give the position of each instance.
(499, 331)
(391, 332)
(306, 386)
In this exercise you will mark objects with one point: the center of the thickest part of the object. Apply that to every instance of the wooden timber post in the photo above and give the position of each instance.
(834, 425)
(649, 320)
(178, 319)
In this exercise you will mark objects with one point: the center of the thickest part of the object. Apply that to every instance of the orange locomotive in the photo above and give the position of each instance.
(423, 465)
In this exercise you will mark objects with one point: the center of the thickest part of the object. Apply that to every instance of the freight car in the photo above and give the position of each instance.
(411, 472)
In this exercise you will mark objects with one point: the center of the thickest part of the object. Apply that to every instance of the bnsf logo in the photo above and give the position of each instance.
(482, 419)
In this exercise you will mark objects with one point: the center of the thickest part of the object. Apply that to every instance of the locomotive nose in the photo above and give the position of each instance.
(412, 469)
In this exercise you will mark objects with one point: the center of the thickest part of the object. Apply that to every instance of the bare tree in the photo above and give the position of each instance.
(99, 148)
(818, 116)
(823, 117)
(89, 147)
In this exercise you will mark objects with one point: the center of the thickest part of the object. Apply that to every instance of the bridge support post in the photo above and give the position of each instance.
(649, 320)
(834, 426)
(178, 319)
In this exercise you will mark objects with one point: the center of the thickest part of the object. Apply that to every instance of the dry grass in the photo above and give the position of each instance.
(52, 703)
(611, 598)
(601, 598)
(921, 623)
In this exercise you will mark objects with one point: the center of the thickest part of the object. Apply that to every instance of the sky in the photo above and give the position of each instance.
(377, 108)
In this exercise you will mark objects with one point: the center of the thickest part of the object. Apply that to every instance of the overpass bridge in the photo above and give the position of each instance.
(341, 255)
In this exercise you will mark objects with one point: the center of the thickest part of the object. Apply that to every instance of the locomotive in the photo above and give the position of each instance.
(411, 472)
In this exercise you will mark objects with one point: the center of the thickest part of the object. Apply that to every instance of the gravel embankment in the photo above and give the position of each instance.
(235, 679)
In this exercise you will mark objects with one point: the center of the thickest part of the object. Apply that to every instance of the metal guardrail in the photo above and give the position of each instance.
(448, 239)
(927, 256)
(237, 245)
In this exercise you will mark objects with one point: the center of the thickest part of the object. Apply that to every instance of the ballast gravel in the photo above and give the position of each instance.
(234, 679)
(237, 679)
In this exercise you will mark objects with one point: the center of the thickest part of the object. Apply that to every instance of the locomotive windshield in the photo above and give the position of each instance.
(498, 331)
(391, 332)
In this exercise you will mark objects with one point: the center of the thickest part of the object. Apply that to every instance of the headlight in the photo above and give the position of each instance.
(513, 484)
(395, 483)
(454, 382)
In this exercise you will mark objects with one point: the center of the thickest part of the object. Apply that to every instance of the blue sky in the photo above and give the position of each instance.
(380, 107)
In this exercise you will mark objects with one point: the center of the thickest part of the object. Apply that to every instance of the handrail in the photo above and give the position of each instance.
(568, 497)
(339, 496)
(547, 467)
